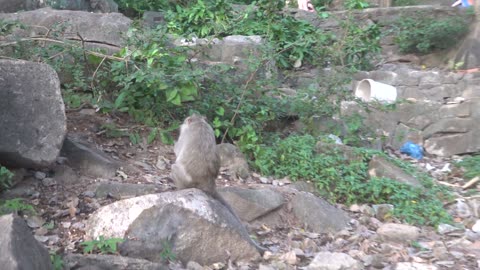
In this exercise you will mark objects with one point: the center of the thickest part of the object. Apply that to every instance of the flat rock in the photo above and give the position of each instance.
(381, 167)
(250, 204)
(87, 159)
(317, 214)
(399, 233)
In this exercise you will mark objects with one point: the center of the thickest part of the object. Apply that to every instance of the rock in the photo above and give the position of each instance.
(104, 31)
(216, 231)
(334, 261)
(10, 6)
(66, 176)
(317, 215)
(448, 229)
(188, 235)
(40, 175)
(414, 266)
(381, 167)
(19, 248)
(250, 204)
(48, 182)
(122, 190)
(88, 160)
(33, 114)
(232, 158)
(110, 262)
(398, 233)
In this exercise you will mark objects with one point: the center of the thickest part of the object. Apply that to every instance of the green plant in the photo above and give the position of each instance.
(425, 34)
(102, 245)
(5, 178)
(167, 253)
(57, 261)
(471, 165)
(399, 3)
(344, 180)
(356, 4)
(202, 18)
(15, 206)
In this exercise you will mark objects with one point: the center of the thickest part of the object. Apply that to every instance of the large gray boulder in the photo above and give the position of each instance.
(11, 6)
(19, 249)
(33, 121)
(195, 226)
(97, 30)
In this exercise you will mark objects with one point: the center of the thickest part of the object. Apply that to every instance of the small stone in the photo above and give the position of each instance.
(264, 180)
(266, 267)
(289, 257)
(48, 182)
(66, 224)
(41, 238)
(35, 222)
(399, 233)
(334, 261)
(78, 225)
(414, 266)
(355, 208)
(476, 226)
(194, 266)
(447, 229)
(89, 194)
(40, 175)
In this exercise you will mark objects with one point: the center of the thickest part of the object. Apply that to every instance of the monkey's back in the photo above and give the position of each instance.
(199, 156)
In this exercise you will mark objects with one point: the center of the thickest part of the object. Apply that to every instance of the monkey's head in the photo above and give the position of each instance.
(194, 118)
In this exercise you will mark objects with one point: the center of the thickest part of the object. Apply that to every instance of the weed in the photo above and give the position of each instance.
(471, 165)
(5, 178)
(425, 34)
(102, 245)
(57, 261)
(15, 206)
(344, 180)
(167, 253)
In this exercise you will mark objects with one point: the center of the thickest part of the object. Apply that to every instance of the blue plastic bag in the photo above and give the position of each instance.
(412, 149)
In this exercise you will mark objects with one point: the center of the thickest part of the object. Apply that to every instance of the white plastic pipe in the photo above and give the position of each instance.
(368, 90)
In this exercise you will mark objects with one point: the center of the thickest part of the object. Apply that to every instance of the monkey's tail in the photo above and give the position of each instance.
(219, 198)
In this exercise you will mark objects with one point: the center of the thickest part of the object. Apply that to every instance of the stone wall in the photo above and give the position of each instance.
(437, 109)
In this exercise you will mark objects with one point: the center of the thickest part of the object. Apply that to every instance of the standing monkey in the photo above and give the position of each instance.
(197, 163)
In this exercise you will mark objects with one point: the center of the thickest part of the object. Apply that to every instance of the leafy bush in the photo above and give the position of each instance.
(425, 35)
(5, 178)
(345, 181)
(471, 165)
(15, 206)
(102, 245)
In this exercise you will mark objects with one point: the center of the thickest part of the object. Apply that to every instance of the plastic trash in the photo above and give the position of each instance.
(412, 149)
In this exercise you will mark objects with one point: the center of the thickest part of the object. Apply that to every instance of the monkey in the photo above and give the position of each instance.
(197, 162)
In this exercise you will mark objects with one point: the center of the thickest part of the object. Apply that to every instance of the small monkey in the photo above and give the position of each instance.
(197, 162)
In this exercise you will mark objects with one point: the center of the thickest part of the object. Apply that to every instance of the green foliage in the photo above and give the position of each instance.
(359, 44)
(471, 165)
(5, 178)
(57, 261)
(167, 253)
(356, 4)
(425, 34)
(202, 18)
(102, 245)
(344, 180)
(15, 206)
(6, 27)
(399, 3)
(156, 79)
